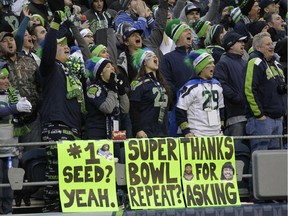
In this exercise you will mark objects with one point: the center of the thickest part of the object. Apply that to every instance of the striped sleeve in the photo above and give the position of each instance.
(251, 85)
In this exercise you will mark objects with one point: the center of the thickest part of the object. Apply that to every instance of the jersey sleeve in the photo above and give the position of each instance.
(136, 91)
(96, 95)
(185, 97)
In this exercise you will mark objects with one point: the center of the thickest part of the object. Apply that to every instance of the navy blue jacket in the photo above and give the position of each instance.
(230, 73)
(174, 69)
(56, 107)
(261, 87)
(99, 124)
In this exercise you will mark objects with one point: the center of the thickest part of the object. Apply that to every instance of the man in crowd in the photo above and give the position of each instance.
(23, 76)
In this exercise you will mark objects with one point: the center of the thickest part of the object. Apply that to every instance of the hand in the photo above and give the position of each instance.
(121, 84)
(85, 25)
(190, 135)
(23, 105)
(148, 12)
(141, 134)
(58, 16)
(141, 8)
(26, 12)
(112, 83)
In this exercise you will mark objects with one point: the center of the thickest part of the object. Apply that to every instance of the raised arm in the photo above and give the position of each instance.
(50, 47)
(19, 36)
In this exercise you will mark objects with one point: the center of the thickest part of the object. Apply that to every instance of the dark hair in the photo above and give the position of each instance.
(102, 148)
(218, 40)
(188, 164)
(141, 75)
(226, 165)
(32, 29)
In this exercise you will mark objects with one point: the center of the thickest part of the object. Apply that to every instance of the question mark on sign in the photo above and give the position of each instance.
(109, 168)
(179, 193)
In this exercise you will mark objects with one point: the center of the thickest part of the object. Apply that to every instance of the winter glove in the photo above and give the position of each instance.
(120, 84)
(23, 105)
(58, 16)
(112, 83)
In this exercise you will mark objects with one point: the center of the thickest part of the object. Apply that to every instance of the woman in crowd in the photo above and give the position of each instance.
(149, 97)
(106, 96)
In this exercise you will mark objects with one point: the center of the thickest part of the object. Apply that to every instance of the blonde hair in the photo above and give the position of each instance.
(257, 39)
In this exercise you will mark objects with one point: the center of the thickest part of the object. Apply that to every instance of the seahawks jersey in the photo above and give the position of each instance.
(153, 109)
(202, 100)
(99, 125)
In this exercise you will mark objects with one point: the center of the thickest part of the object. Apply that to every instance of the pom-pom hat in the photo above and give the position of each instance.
(200, 27)
(213, 34)
(42, 21)
(139, 57)
(198, 60)
(95, 66)
(236, 14)
(96, 49)
(174, 29)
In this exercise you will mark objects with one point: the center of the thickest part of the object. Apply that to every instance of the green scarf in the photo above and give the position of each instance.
(20, 128)
(74, 88)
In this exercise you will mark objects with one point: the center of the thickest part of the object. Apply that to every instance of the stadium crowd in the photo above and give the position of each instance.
(87, 69)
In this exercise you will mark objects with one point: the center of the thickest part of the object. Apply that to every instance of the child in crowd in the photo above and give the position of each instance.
(105, 97)
(200, 99)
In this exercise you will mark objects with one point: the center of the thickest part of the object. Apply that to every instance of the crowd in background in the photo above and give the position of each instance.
(87, 69)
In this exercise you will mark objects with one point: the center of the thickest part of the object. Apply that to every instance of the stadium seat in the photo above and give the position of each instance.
(269, 169)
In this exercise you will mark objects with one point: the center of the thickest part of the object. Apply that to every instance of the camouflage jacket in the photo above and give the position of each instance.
(23, 73)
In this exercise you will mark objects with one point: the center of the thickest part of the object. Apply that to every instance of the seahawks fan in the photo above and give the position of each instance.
(106, 95)
(149, 97)
(200, 99)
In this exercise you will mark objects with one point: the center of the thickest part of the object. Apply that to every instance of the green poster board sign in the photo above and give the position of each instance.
(208, 171)
(153, 173)
(87, 176)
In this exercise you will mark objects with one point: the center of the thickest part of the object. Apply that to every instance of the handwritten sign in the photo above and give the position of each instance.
(208, 171)
(87, 176)
(153, 174)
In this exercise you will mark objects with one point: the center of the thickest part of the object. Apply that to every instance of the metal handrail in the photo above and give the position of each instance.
(121, 141)
(118, 141)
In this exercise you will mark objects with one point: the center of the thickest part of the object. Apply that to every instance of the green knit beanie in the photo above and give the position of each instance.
(140, 56)
(200, 27)
(42, 21)
(198, 60)
(95, 50)
(174, 29)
